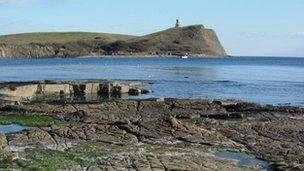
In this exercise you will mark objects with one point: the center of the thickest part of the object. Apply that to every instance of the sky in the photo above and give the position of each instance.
(244, 27)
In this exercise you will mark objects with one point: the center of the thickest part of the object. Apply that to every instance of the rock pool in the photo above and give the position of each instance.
(13, 128)
(243, 159)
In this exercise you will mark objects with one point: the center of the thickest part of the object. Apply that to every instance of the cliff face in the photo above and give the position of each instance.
(195, 40)
(47, 50)
(191, 40)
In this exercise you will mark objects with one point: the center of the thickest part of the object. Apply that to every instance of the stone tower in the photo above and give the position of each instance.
(177, 25)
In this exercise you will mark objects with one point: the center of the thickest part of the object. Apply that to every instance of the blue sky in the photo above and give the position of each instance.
(245, 27)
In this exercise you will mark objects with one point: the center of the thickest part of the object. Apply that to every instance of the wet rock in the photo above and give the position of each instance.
(5, 152)
(13, 108)
(78, 116)
(79, 90)
(38, 138)
(145, 91)
(243, 107)
(226, 116)
(169, 123)
(122, 89)
(105, 89)
(226, 102)
(169, 160)
(134, 92)
(109, 134)
(282, 166)
(175, 124)
(155, 108)
(196, 109)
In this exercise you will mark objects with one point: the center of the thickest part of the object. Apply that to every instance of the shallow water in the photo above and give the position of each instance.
(274, 80)
(243, 159)
(13, 128)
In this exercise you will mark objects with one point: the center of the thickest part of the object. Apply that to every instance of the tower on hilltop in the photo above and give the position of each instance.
(177, 24)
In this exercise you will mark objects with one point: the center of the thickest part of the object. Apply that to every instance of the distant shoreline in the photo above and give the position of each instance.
(121, 56)
(151, 56)
(195, 40)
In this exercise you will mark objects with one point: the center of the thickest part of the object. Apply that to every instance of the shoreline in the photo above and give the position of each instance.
(122, 56)
(137, 130)
(19, 90)
(153, 56)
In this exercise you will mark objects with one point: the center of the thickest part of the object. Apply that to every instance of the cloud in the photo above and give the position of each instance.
(17, 2)
(299, 35)
(24, 2)
(270, 35)
(256, 34)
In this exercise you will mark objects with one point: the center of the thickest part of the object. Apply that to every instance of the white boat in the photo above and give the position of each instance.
(185, 57)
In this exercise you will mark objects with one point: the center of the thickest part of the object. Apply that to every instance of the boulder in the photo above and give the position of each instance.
(134, 91)
(105, 89)
(79, 90)
(145, 91)
(122, 88)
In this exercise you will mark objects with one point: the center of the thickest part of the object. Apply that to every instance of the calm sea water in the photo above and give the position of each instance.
(272, 80)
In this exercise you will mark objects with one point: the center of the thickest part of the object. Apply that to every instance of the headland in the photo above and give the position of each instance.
(195, 40)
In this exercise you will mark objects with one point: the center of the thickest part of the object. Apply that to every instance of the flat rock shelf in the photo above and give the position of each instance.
(52, 90)
(154, 134)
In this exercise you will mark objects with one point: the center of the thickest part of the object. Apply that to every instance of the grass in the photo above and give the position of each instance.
(29, 120)
(61, 37)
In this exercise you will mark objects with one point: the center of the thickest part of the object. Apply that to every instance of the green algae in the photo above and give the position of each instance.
(29, 120)
(88, 154)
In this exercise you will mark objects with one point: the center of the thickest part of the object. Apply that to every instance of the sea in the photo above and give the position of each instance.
(266, 80)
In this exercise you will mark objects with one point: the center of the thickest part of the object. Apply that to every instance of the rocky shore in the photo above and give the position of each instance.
(153, 134)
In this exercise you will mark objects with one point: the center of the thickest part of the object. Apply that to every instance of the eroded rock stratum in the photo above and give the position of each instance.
(22, 91)
(154, 135)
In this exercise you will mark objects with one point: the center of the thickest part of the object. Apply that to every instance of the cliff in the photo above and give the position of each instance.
(193, 40)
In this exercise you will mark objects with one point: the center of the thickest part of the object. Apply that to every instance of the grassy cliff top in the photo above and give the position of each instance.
(61, 37)
(194, 39)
